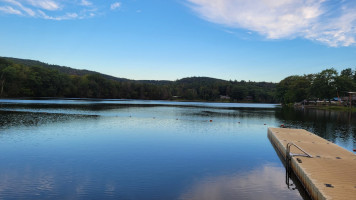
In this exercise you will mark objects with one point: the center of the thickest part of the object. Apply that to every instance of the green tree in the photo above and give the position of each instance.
(347, 73)
(293, 89)
(324, 84)
(238, 92)
(344, 84)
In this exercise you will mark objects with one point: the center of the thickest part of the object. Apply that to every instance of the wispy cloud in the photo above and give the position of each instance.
(115, 5)
(333, 24)
(10, 10)
(66, 16)
(50, 9)
(86, 3)
(45, 4)
(19, 5)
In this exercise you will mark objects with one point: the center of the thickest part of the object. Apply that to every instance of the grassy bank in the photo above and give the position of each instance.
(338, 108)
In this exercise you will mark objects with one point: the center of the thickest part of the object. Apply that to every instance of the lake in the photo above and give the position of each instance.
(131, 149)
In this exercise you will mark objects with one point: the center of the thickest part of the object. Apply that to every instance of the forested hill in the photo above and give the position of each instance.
(201, 80)
(62, 69)
(28, 78)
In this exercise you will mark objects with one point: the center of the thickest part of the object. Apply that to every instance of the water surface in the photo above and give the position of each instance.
(124, 149)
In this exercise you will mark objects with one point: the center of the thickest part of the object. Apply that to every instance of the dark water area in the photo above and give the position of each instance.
(335, 126)
(122, 149)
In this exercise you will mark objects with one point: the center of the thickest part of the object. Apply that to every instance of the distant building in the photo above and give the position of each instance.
(224, 97)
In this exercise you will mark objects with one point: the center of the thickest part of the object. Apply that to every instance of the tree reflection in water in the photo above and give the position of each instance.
(336, 126)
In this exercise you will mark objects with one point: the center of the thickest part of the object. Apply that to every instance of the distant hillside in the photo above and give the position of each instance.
(62, 69)
(201, 80)
(29, 78)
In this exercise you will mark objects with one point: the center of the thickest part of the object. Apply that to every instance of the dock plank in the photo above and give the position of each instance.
(330, 174)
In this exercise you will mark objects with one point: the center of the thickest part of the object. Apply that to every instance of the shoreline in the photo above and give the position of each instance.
(103, 99)
(327, 107)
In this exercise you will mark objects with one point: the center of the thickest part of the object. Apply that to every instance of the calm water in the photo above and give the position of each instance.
(84, 149)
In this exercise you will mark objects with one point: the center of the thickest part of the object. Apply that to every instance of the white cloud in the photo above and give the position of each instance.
(45, 4)
(29, 11)
(115, 5)
(49, 9)
(67, 16)
(311, 19)
(10, 10)
(86, 3)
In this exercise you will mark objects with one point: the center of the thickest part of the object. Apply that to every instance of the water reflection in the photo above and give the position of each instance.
(266, 182)
(51, 101)
(10, 119)
(118, 150)
(45, 183)
(336, 126)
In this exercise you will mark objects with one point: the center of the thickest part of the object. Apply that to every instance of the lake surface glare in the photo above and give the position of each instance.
(122, 149)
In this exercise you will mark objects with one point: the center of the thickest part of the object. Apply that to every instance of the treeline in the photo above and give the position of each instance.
(210, 89)
(26, 78)
(18, 80)
(323, 86)
(62, 69)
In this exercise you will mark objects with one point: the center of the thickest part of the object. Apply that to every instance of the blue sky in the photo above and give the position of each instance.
(257, 40)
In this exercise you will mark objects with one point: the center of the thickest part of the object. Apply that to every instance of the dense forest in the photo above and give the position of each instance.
(28, 78)
(325, 85)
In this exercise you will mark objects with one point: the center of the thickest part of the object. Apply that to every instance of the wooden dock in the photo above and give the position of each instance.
(331, 171)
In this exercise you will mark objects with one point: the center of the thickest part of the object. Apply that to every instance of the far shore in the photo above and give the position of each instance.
(101, 99)
(327, 107)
